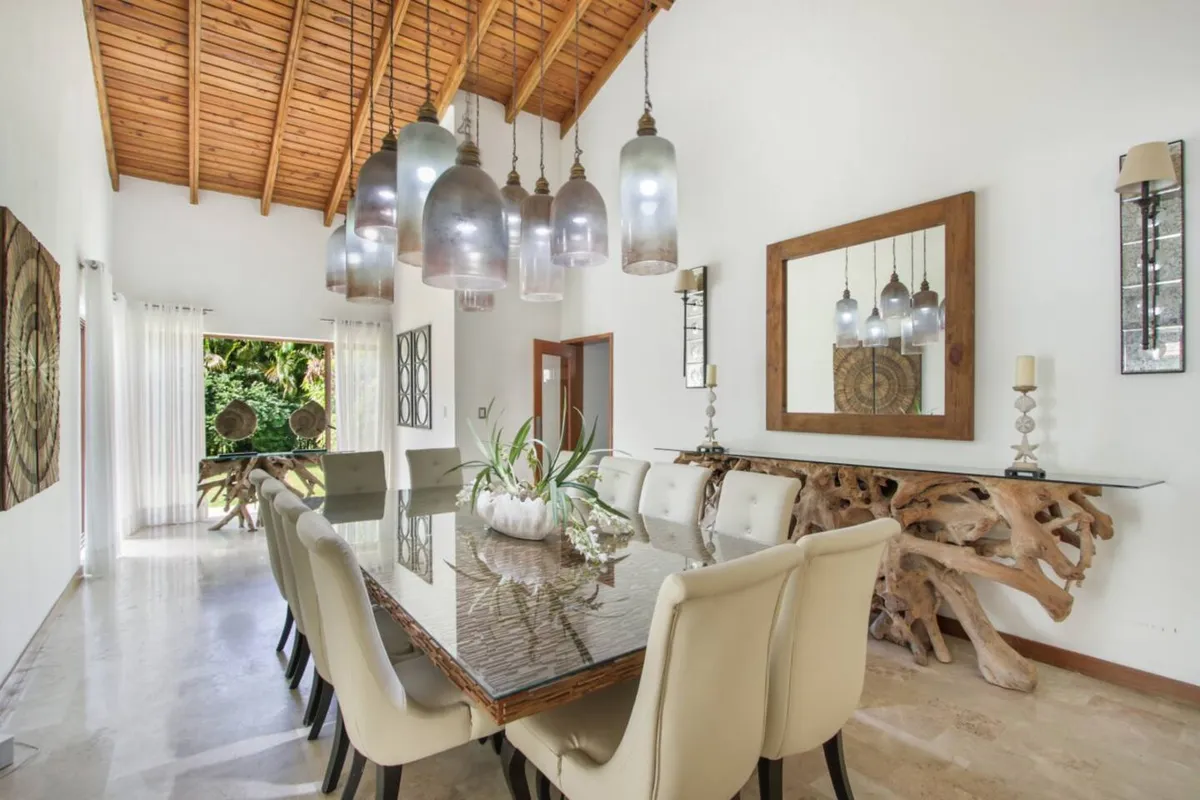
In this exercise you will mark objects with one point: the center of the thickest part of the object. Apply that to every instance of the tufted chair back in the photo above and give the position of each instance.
(354, 473)
(674, 492)
(429, 468)
(258, 477)
(270, 489)
(756, 506)
(819, 649)
(620, 481)
(288, 509)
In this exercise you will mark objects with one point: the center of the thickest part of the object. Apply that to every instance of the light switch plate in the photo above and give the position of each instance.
(6, 751)
(482, 412)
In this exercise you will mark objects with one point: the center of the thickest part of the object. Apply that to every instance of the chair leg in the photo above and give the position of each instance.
(314, 698)
(497, 742)
(770, 779)
(295, 659)
(513, 761)
(302, 664)
(287, 628)
(835, 760)
(322, 711)
(357, 765)
(337, 756)
(543, 786)
(387, 782)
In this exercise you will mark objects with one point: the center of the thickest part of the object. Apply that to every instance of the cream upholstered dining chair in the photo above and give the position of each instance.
(674, 492)
(756, 506)
(354, 473)
(265, 521)
(691, 727)
(270, 489)
(620, 480)
(432, 467)
(819, 650)
(393, 714)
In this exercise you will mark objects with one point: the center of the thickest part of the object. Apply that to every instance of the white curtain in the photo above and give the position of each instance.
(166, 364)
(101, 466)
(364, 389)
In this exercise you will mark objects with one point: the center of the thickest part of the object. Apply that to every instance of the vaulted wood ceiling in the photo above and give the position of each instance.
(250, 97)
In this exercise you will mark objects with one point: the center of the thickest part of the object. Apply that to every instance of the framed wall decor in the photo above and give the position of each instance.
(414, 379)
(29, 339)
(694, 288)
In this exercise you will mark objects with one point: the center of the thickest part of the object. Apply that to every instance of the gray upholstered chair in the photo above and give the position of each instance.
(691, 727)
(756, 506)
(354, 473)
(620, 481)
(432, 467)
(674, 492)
(266, 521)
(393, 714)
(819, 650)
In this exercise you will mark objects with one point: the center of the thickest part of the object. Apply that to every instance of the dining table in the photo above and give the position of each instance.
(519, 626)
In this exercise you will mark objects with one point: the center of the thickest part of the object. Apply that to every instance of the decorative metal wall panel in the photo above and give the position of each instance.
(414, 378)
(695, 331)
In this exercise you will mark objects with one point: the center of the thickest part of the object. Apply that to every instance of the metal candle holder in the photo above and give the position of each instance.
(710, 443)
(1025, 465)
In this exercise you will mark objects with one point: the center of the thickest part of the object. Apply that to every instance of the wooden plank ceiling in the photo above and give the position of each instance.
(250, 97)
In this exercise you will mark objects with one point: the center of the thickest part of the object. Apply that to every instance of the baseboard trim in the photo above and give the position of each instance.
(1098, 668)
(12, 684)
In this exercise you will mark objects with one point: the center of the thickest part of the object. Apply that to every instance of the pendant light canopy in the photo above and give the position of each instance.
(424, 150)
(926, 313)
(578, 218)
(845, 316)
(335, 260)
(475, 301)
(649, 191)
(894, 298)
(513, 193)
(875, 332)
(466, 243)
(542, 281)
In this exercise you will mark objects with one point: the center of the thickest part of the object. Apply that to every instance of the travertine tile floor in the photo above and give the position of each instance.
(161, 682)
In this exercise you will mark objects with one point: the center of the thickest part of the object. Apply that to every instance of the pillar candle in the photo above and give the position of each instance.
(710, 375)
(1026, 375)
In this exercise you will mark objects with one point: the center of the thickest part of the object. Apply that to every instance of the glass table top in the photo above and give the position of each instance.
(516, 615)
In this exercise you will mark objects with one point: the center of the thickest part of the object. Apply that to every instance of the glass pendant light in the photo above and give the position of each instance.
(942, 315)
(424, 150)
(476, 301)
(578, 219)
(513, 192)
(894, 298)
(845, 318)
(876, 332)
(466, 243)
(335, 260)
(542, 281)
(375, 209)
(926, 314)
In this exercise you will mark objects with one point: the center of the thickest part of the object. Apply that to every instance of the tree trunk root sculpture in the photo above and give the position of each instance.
(230, 479)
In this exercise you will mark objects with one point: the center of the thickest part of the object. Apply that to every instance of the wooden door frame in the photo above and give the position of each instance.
(570, 358)
(577, 388)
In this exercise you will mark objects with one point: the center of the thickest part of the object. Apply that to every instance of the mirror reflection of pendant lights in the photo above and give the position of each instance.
(875, 332)
(375, 209)
(370, 263)
(926, 314)
(541, 279)
(424, 150)
(908, 345)
(476, 301)
(649, 190)
(578, 218)
(513, 193)
(845, 318)
(466, 244)
(894, 298)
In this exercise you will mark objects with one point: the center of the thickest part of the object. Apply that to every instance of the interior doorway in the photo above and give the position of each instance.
(575, 375)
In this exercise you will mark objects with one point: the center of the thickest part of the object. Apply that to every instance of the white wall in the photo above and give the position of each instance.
(803, 115)
(595, 391)
(261, 276)
(54, 177)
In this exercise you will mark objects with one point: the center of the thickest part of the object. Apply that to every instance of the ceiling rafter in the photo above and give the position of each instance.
(458, 70)
(555, 40)
(285, 95)
(604, 73)
(89, 14)
(383, 55)
(194, 11)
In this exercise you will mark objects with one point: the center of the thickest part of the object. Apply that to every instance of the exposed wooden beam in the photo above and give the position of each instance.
(383, 54)
(285, 96)
(89, 15)
(194, 100)
(458, 70)
(604, 73)
(554, 43)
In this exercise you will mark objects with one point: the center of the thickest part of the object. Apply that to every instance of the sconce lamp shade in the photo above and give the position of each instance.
(685, 281)
(335, 260)
(845, 321)
(542, 281)
(1147, 163)
(466, 243)
(424, 150)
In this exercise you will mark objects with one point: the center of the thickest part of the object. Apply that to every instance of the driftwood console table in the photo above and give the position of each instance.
(956, 524)
(228, 478)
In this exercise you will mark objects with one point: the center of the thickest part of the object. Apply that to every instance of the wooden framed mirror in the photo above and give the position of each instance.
(821, 382)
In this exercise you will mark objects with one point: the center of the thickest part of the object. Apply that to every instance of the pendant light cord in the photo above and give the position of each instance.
(514, 84)
(647, 106)
(350, 104)
(542, 88)
(464, 127)
(894, 275)
(875, 272)
(846, 269)
(372, 136)
(475, 85)
(428, 80)
(924, 257)
(578, 152)
(392, 83)
(912, 262)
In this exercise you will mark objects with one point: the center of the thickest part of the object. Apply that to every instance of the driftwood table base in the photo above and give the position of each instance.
(954, 527)
(230, 479)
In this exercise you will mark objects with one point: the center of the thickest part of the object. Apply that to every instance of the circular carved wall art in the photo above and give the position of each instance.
(876, 380)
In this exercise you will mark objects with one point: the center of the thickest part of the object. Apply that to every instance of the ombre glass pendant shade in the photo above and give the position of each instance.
(542, 281)
(466, 243)
(476, 301)
(845, 321)
(375, 209)
(335, 260)
(649, 203)
(513, 194)
(894, 298)
(424, 150)
(942, 315)
(926, 316)
(578, 223)
(875, 331)
(370, 266)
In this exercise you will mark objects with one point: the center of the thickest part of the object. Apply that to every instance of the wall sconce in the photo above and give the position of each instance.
(692, 286)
